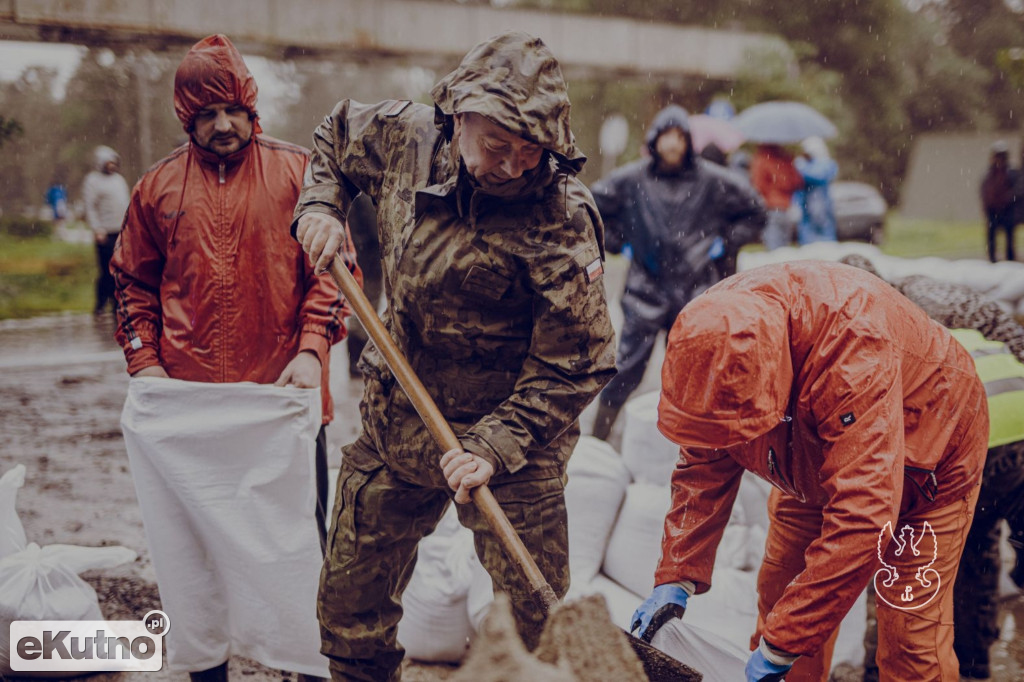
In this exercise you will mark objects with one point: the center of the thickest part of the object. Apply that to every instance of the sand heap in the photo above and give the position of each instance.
(579, 644)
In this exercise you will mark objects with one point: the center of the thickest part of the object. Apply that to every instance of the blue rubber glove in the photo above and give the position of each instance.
(760, 669)
(717, 249)
(665, 603)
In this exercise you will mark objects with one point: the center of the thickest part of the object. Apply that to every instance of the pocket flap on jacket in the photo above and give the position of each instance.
(486, 283)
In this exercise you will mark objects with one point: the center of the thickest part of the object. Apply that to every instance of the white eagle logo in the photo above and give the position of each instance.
(925, 576)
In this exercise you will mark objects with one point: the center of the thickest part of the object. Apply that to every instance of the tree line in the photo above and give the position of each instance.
(884, 71)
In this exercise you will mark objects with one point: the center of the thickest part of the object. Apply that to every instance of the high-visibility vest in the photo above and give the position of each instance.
(1003, 376)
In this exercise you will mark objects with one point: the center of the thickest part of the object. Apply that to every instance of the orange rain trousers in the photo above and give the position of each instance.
(913, 645)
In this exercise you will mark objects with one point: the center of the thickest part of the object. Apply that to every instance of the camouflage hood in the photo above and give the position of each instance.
(514, 80)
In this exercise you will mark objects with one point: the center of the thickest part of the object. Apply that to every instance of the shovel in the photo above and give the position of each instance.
(659, 666)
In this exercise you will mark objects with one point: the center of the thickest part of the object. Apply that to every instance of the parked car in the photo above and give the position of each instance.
(860, 212)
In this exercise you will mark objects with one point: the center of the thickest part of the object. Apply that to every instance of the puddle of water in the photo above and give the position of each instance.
(54, 339)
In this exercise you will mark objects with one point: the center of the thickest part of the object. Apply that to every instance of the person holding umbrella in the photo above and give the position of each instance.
(774, 125)
(817, 214)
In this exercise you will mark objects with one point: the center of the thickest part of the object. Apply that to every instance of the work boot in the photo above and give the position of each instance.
(218, 674)
(605, 419)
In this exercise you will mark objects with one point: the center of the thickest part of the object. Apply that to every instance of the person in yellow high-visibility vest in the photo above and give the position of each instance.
(976, 590)
(996, 342)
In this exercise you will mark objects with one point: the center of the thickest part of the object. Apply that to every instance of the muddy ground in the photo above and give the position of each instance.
(62, 387)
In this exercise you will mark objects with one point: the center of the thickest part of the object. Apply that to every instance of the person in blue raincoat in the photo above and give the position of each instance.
(817, 214)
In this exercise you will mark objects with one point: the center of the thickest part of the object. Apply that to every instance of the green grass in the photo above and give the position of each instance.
(915, 238)
(40, 275)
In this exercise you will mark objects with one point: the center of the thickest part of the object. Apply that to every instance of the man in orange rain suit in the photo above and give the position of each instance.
(871, 423)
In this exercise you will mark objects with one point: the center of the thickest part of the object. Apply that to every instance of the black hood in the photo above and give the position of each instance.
(672, 116)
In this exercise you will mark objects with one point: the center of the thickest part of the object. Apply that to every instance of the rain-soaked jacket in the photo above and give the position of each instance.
(210, 284)
(497, 302)
(828, 383)
(773, 175)
(671, 220)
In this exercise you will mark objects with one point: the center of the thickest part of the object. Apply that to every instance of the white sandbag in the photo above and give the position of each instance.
(831, 251)
(43, 584)
(435, 623)
(729, 608)
(12, 533)
(719, 659)
(597, 484)
(621, 601)
(225, 478)
(634, 547)
(480, 596)
(649, 455)
(687, 639)
(850, 642)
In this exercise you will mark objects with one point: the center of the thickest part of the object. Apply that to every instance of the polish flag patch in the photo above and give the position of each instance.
(594, 271)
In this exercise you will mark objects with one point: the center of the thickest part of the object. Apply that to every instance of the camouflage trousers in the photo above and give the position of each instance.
(378, 520)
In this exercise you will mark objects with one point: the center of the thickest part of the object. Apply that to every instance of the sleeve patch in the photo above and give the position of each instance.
(594, 271)
(847, 419)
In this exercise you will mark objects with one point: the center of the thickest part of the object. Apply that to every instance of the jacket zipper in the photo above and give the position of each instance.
(771, 461)
(220, 173)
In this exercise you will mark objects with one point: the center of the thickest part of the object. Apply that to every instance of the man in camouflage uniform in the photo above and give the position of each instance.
(976, 593)
(492, 259)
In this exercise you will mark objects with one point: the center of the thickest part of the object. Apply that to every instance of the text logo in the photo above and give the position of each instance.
(89, 645)
(918, 551)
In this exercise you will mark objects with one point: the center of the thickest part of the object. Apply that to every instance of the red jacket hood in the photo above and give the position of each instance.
(733, 382)
(212, 72)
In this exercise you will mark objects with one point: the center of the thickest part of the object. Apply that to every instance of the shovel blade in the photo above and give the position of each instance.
(659, 666)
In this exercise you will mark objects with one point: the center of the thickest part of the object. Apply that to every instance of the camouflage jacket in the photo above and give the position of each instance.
(957, 306)
(498, 303)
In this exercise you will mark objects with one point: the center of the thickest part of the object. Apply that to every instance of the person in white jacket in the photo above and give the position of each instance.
(105, 194)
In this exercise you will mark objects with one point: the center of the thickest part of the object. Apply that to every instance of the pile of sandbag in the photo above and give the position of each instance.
(1003, 282)
(616, 507)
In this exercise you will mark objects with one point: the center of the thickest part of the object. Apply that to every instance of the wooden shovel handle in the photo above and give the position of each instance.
(442, 432)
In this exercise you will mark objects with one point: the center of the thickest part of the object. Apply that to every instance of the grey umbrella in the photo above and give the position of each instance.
(782, 123)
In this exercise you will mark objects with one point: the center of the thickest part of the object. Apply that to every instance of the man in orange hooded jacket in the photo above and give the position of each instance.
(210, 285)
(871, 423)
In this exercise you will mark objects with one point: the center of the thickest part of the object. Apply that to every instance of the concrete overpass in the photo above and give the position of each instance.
(431, 33)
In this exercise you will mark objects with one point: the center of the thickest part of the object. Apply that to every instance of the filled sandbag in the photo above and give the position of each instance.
(634, 547)
(717, 658)
(850, 643)
(480, 595)
(597, 484)
(1001, 282)
(649, 455)
(621, 601)
(435, 624)
(12, 533)
(43, 584)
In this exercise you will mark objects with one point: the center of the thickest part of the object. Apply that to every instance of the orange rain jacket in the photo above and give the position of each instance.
(210, 283)
(774, 176)
(825, 381)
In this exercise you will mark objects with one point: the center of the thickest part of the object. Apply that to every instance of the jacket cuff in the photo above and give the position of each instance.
(491, 440)
(482, 450)
(317, 343)
(318, 199)
(146, 355)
